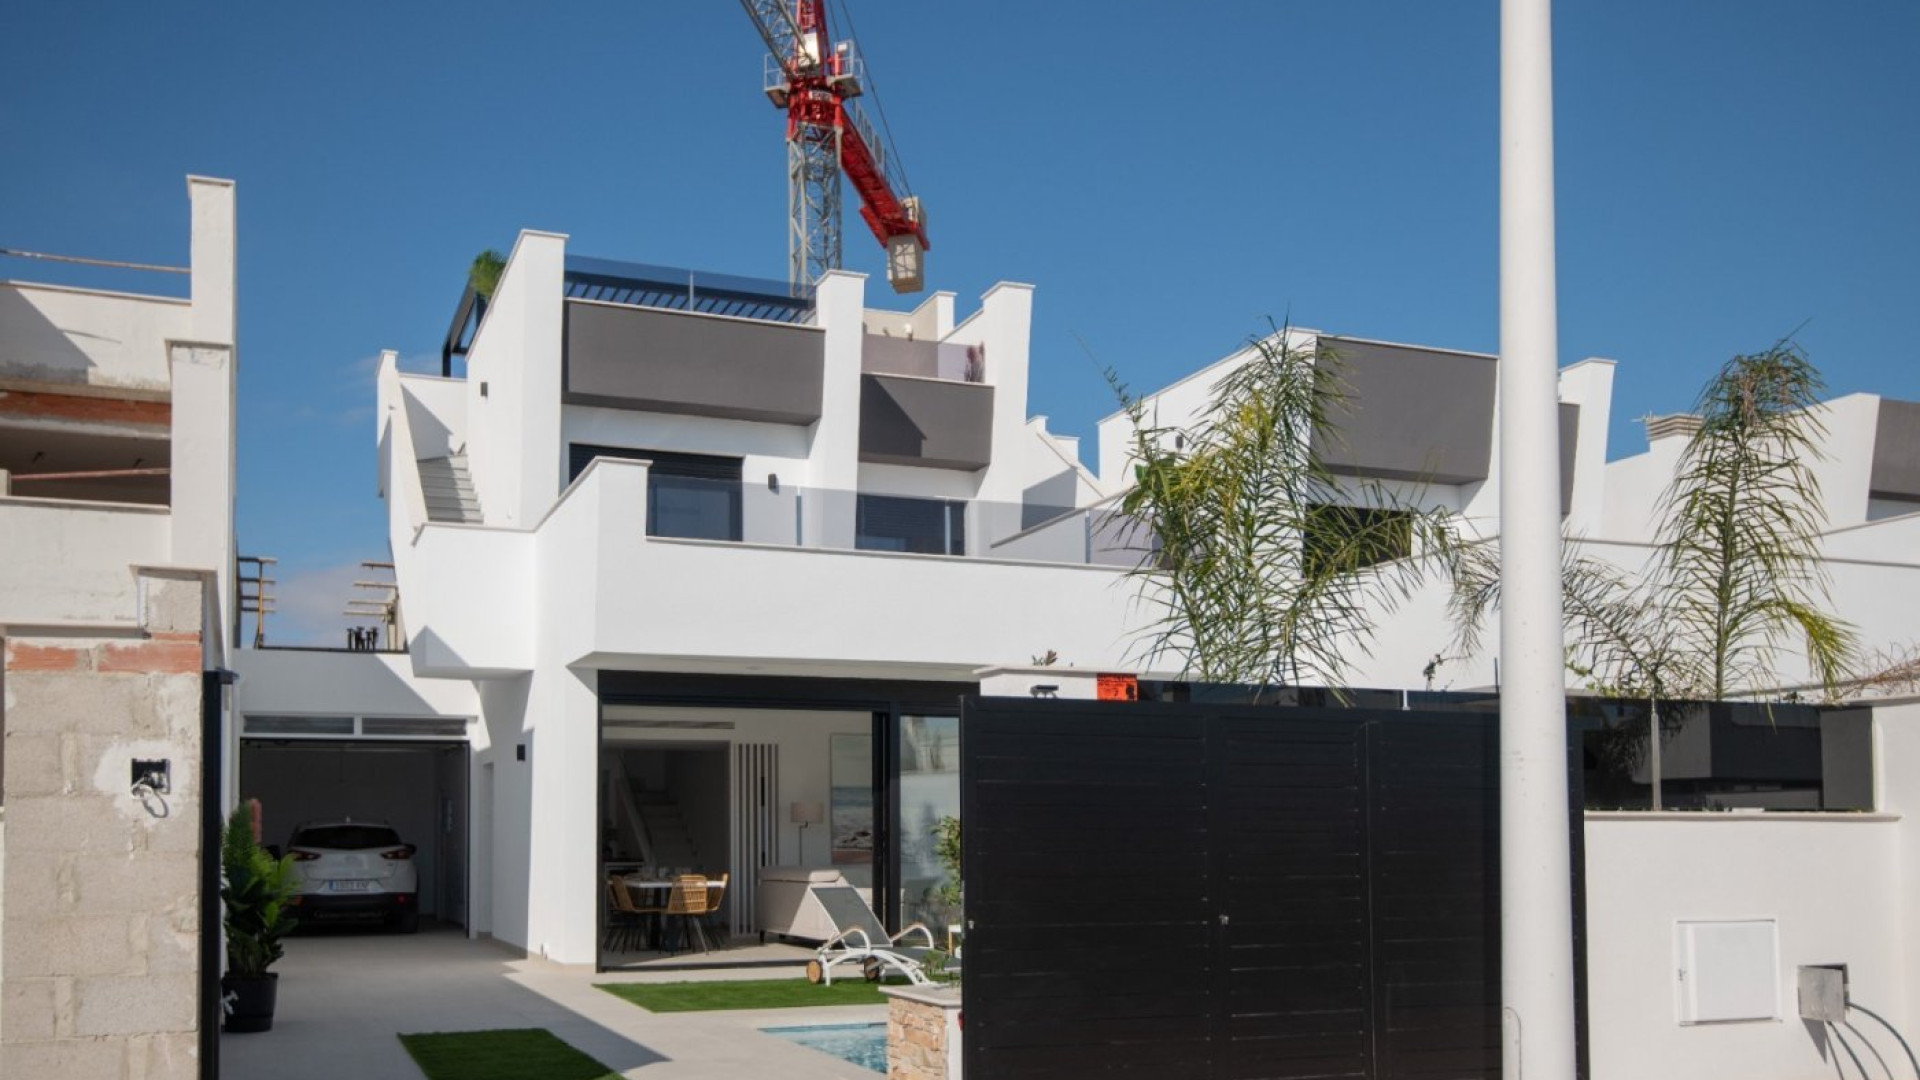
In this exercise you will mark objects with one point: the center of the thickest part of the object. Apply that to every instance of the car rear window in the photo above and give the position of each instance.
(346, 837)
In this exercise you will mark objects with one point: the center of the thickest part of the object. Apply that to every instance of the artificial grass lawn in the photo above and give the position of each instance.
(753, 994)
(506, 1054)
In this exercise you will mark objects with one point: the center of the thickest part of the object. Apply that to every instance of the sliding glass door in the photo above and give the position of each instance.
(929, 795)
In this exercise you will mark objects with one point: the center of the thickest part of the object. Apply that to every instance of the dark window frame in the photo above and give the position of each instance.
(670, 471)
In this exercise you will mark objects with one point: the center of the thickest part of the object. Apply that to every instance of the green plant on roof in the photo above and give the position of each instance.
(484, 274)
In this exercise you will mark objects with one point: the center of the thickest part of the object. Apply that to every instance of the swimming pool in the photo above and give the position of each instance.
(863, 1044)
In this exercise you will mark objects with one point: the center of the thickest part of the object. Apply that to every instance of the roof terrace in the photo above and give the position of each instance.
(670, 288)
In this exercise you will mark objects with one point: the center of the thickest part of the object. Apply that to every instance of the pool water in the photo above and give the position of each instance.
(863, 1044)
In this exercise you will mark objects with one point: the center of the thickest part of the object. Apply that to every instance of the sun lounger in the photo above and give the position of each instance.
(861, 939)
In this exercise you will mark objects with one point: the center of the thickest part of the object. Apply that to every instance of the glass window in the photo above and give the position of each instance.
(929, 796)
(920, 526)
(346, 837)
(692, 507)
(1356, 537)
(1723, 756)
(689, 496)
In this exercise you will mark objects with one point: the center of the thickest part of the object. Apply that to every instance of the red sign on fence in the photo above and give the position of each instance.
(1118, 687)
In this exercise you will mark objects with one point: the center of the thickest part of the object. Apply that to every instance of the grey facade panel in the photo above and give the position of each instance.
(1896, 451)
(1410, 414)
(673, 362)
(945, 425)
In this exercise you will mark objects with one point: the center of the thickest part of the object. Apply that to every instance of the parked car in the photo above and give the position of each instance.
(349, 869)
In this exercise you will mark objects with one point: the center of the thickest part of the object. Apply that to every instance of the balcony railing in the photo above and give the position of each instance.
(786, 515)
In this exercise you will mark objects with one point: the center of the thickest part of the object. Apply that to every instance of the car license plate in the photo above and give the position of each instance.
(352, 886)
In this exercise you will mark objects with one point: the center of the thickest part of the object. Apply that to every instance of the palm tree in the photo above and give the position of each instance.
(1266, 567)
(1737, 572)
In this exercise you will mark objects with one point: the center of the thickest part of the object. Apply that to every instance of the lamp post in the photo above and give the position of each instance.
(1536, 902)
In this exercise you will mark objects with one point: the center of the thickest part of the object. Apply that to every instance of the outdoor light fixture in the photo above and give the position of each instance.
(804, 814)
(773, 483)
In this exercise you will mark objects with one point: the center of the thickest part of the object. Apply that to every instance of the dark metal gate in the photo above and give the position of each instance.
(1187, 890)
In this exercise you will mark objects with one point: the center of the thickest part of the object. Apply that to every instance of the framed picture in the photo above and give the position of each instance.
(851, 776)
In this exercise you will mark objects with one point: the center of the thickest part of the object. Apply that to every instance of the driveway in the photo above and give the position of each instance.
(345, 997)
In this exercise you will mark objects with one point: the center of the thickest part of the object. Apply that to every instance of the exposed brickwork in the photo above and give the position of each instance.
(24, 657)
(74, 407)
(101, 894)
(163, 654)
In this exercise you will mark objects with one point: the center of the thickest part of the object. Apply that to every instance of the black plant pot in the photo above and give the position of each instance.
(251, 1001)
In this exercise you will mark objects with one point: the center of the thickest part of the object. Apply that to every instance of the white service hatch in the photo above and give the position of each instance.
(1728, 970)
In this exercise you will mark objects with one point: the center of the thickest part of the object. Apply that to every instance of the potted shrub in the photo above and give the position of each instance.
(950, 896)
(255, 888)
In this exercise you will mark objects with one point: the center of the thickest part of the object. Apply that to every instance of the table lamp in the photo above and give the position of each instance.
(804, 814)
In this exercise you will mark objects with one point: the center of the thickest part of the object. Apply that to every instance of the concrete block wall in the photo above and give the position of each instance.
(99, 907)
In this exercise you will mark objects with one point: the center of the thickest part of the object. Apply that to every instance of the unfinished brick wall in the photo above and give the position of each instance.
(100, 913)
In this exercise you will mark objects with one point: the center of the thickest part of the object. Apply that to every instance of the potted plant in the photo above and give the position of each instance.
(950, 896)
(255, 887)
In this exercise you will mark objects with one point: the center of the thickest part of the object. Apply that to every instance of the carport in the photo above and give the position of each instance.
(416, 785)
(326, 735)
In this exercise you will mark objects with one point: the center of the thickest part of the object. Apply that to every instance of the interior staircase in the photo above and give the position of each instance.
(669, 842)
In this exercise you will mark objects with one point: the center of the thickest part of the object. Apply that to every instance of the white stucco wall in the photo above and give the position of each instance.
(73, 562)
(313, 682)
(1840, 886)
(1833, 885)
(514, 450)
(54, 337)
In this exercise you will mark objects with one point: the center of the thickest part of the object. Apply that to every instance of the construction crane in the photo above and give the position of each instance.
(816, 80)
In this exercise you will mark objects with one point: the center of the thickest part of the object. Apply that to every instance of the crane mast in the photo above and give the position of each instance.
(816, 81)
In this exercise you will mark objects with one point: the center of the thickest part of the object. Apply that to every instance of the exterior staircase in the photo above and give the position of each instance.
(449, 490)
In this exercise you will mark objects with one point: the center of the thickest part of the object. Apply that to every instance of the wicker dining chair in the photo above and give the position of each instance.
(622, 918)
(689, 901)
(716, 896)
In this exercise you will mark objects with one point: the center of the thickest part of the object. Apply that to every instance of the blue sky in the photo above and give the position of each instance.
(1168, 176)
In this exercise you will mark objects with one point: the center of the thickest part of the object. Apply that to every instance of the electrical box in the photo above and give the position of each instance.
(1823, 992)
(1727, 970)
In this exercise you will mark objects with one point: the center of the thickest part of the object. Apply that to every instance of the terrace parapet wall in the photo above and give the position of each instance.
(101, 913)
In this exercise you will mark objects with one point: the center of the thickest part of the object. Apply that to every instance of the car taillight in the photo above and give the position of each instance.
(398, 853)
(303, 856)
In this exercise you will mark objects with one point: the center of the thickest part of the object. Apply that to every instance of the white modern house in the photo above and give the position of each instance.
(688, 552)
(695, 572)
(117, 604)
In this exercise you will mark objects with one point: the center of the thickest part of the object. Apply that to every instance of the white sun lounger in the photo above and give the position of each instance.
(859, 938)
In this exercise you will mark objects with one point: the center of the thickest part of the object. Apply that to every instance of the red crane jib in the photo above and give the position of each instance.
(813, 104)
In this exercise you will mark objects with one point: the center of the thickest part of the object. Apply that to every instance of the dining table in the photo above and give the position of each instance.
(658, 887)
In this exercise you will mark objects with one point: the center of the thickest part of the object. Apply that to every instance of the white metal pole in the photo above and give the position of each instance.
(1536, 905)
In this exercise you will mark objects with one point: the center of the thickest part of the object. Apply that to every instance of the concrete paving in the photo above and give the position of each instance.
(345, 997)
